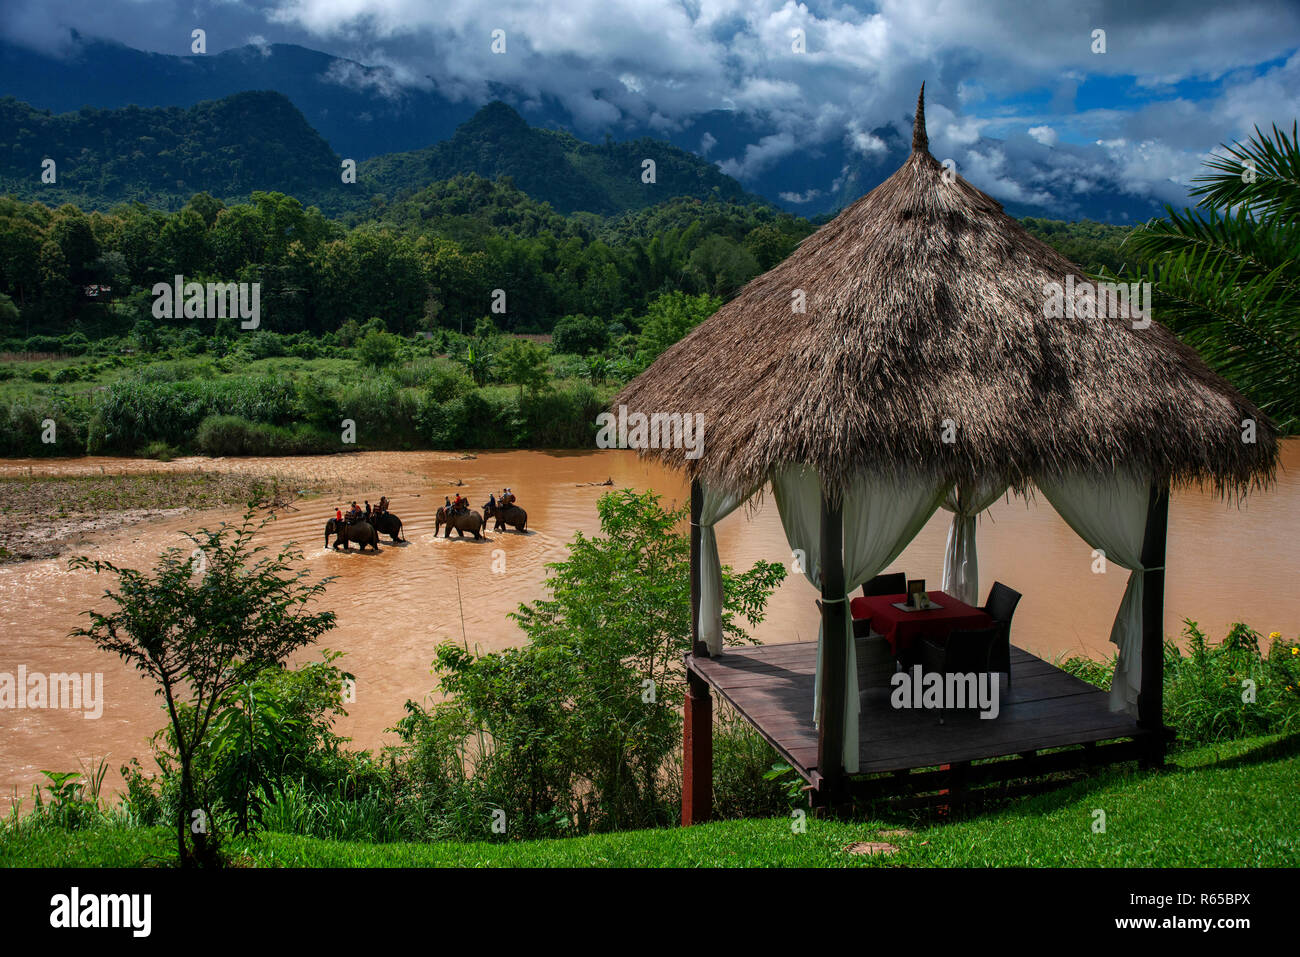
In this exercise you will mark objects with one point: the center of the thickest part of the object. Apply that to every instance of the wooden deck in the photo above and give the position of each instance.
(772, 687)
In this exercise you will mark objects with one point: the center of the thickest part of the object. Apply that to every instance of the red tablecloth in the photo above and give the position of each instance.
(901, 628)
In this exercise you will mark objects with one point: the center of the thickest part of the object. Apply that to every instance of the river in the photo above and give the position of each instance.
(1226, 562)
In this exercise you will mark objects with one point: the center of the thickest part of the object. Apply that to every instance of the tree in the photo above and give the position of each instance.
(582, 721)
(670, 317)
(200, 625)
(523, 363)
(378, 349)
(1227, 283)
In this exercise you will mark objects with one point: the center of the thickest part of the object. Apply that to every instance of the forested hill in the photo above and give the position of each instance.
(554, 167)
(162, 156)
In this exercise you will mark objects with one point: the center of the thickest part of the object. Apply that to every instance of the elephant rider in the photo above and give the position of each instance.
(492, 500)
(382, 506)
(507, 498)
(338, 515)
(461, 504)
(354, 514)
(447, 504)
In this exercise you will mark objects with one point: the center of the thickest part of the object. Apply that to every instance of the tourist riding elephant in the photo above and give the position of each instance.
(467, 521)
(386, 523)
(362, 533)
(506, 515)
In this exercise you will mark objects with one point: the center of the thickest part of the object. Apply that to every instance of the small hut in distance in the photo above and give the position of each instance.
(900, 360)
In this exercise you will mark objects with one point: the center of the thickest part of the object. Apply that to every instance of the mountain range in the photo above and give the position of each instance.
(401, 136)
(260, 141)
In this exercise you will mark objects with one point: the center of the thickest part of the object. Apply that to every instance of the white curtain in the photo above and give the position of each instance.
(961, 567)
(880, 517)
(1110, 514)
(716, 506)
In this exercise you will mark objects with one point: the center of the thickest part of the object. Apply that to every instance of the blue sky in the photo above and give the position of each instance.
(1016, 93)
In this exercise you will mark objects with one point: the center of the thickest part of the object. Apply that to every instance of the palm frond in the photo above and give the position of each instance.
(1262, 176)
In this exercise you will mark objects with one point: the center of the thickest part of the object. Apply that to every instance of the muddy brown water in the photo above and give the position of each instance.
(1226, 563)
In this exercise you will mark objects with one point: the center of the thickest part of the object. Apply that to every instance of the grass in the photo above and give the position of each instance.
(1234, 804)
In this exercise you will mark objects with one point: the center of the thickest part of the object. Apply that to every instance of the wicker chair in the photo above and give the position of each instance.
(968, 651)
(1001, 606)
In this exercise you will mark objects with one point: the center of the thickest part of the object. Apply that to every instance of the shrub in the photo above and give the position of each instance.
(561, 418)
(580, 335)
(233, 435)
(1231, 689)
(579, 727)
(1228, 690)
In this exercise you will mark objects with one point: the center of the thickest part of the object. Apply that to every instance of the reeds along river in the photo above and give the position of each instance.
(1225, 563)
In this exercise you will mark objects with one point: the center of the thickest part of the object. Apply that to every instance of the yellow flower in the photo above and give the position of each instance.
(1296, 650)
(1275, 635)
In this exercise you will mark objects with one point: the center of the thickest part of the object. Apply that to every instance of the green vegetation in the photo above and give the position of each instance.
(576, 733)
(551, 166)
(1226, 275)
(204, 625)
(161, 155)
(1215, 692)
(1230, 805)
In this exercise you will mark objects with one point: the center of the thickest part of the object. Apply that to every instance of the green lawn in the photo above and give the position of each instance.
(1232, 805)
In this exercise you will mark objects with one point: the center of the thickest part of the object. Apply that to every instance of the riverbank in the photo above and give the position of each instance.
(42, 516)
(1153, 819)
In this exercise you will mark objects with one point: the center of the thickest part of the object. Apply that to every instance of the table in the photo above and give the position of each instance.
(902, 628)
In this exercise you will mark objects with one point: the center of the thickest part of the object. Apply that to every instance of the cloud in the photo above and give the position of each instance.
(805, 197)
(1184, 75)
(758, 156)
(1043, 134)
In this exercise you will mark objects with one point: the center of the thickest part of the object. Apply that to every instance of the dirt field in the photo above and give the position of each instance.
(42, 516)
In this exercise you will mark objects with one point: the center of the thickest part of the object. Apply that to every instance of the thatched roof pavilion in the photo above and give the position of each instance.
(924, 302)
(907, 356)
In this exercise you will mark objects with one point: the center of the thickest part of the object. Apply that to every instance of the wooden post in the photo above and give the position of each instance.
(697, 718)
(697, 506)
(830, 725)
(697, 752)
(1151, 695)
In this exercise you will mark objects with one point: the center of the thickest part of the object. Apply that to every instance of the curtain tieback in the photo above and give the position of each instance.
(829, 601)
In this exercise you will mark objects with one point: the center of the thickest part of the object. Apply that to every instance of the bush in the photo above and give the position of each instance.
(580, 335)
(136, 412)
(233, 435)
(1214, 692)
(1209, 691)
(23, 428)
(43, 344)
(377, 349)
(560, 418)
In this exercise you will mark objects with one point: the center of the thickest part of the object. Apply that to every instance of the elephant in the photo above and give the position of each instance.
(360, 532)
(386, 523)
(509, 515)
(469, 521)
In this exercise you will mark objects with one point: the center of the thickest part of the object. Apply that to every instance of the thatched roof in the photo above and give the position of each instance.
(925, 302)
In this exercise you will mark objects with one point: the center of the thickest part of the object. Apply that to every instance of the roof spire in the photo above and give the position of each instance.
(920, 141)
